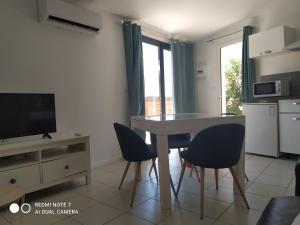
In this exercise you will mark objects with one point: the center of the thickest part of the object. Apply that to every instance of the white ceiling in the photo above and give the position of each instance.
(193, 19)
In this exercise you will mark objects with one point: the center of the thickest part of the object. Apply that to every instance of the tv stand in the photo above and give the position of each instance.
(47, 136)
(37, 164)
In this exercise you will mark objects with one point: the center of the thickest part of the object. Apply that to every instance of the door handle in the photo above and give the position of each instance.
(296, 119)
(296, 103)
(12, 181)
(268, 51)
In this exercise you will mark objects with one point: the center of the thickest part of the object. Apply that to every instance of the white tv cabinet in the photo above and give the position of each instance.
(41, 163)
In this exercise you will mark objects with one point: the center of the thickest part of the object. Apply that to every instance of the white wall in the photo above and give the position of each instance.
(209, 89)
(86, 73)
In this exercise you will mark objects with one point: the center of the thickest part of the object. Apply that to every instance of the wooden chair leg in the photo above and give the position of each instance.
(151, 168)
(181, 177)
(172, 186)
(239, 187)
(179, 156)
(202, 175)
(124, 174)
(155, 169)
(136, 180)
(217, 178)
(197, 174)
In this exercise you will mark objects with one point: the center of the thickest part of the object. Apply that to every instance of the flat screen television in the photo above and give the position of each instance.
(26, 114)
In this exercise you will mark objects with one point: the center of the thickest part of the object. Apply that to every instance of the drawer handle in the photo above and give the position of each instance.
(67, 167)
(12, 181)
(296, 103)
(268, 51)
(296, 119)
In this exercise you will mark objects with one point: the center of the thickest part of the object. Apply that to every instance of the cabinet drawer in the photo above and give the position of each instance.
(25, 177)
(289, 106)
(289, 133)
(64, 167)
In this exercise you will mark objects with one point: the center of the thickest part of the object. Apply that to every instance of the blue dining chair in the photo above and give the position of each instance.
(176, 141)
(216, 147)
(233, 114)
(134, 149)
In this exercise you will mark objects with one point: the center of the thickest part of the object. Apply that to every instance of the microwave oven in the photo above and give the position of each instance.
(275, 88)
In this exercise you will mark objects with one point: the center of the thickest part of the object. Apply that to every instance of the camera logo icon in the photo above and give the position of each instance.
(15, 208)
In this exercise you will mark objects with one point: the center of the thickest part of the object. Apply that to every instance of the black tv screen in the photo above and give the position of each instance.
(26, 114)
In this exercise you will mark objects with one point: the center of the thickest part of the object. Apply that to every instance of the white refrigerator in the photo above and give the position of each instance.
(261, 128)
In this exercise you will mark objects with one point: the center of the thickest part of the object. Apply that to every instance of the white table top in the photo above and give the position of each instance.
(181, 123)
(182, 116)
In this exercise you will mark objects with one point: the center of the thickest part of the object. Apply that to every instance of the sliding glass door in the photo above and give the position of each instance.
(158, 75)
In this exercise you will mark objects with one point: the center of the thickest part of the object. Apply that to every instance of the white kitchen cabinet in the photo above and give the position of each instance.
(271, 41)
(289, 122)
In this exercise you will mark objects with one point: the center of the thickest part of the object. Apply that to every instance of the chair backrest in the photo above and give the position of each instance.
(217, 146)
(133, 147)
(186, 137)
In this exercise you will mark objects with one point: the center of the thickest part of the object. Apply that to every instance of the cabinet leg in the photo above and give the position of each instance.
(88, 179)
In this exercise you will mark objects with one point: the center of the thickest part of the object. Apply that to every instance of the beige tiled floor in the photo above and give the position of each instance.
(102, 203)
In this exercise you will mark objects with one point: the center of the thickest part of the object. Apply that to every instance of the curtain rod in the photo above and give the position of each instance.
(148, 31)
(211, 40)
(157, 36)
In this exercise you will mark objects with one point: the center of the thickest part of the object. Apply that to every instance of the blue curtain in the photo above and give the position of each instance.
(183, 77)
(248, 67)
(134, 68)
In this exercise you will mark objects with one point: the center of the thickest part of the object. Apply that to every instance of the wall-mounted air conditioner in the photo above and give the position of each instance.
(69, 15)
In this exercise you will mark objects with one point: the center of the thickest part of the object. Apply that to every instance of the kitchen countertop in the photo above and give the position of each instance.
(261, 103)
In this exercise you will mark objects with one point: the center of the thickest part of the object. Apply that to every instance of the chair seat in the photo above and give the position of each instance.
(215, 163)
(280, 211)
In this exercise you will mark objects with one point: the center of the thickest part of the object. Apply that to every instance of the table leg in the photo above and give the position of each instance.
(164, 172)
(239, 170)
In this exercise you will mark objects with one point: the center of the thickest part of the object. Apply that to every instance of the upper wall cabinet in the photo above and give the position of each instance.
(271, 41)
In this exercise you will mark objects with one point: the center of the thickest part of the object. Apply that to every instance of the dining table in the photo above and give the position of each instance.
(164, 125)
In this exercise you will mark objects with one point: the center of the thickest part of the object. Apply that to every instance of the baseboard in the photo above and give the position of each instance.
(105, 162)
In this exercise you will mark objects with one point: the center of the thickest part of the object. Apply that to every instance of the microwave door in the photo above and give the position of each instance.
(265, 89)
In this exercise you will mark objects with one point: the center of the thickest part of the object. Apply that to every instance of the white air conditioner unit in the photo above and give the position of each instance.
(69, 15)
